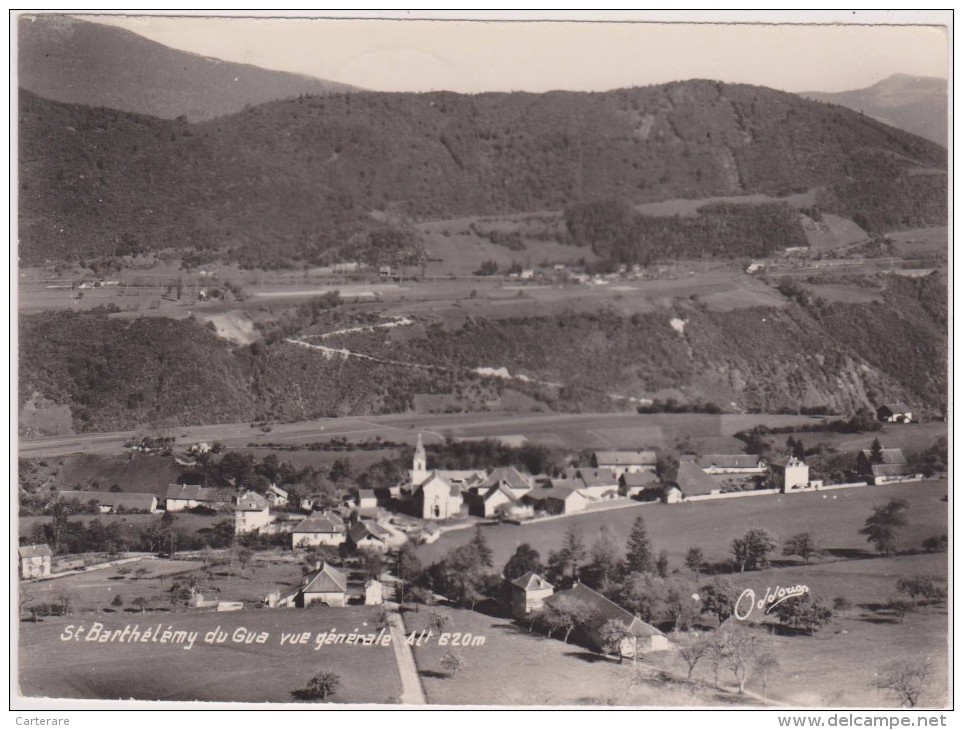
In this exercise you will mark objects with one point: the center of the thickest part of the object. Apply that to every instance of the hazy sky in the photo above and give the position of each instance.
(418, 55)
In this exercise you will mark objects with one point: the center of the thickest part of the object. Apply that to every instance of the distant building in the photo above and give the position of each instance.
(596, 483)
(251, 513)
(892, 465)
(895, 413)
(565, 501)
(621, 462)
(369, 537)
(34, 561)
(789, 473)
(276, 496)
(114, 502)
(366, 499)
(529, 592)
(642, 485)
(321, 528)
(644, 637)
(188, 496)
(692, 481)
(732, 464)
(326, 585)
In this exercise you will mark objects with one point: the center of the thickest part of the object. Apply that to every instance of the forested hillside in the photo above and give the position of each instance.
(298, 180)
(117, 374)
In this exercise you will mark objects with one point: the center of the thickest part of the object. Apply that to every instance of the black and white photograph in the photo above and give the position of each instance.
(506, 360)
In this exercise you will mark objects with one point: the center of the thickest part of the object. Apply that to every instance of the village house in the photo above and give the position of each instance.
(692, 481)
(529, 592)
(366, 499)
(789, 473)
(565, 501)
(251, 513)
(188, 496)
(114, 502)
(890, 466)
(644, 637)
(326, 585)
(321, 528)
(34, 561)
(596, 483)
(641, 485)
(622, 462)
(369, 537)
(276, 496)
(732, 464)
(894, 413)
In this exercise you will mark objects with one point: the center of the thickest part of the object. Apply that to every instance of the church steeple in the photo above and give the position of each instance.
(419, 466)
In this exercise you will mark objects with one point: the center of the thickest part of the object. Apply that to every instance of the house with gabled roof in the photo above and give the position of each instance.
(326, 585)
(641, 485)
(114, 502)
(595, 483)
(895, 413)
(891, 465)
(565, 500)
(732, 464)
(692, 481)
(621, 462)
(369, 537)
(644, 638)
(276, 496)
(789, 472)
(507, 476)
(188, 496)
(321, 528)
(251, 513)
(529, 592)
(34, 560)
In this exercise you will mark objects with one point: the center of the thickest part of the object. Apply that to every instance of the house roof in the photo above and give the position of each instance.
(639, 479)
(251, 502)
(888, 456)
(692, 480)
(193, 492)
(538, 494)
(729, 461)
(531, 581)
(598, 477)
(783, 461)
(327, 580)
(126, 500)
(275, 489)
(603, 610)
(504, 489)
(366, 494)
(363, 530)
(507, 475)
(320, 522)
(625, 458)
(35, 551)
(888, 470)
(896, 407)
(563, 493)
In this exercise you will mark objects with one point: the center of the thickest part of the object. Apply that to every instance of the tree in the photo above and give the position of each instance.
(321, 686)
(573, 549)
(481, 545)
(876, 452)
(752, 549)
(766, 665)
(421, 596)
(141, 603)
(694, 560)
(452, 662)
(638, 558)
(880, 527)
(372, 564)
(803, 544)
(923, 587)
(692, 648)
(741, 650)
(525, 559)
(614, 633)
(718, 599)
(408, 566)
(906, 678)
(899, 608)
(569, 613)
(604, 565)
(437, 621)
(64, 598)
(804, 612)
(936, 544)
(662, 564)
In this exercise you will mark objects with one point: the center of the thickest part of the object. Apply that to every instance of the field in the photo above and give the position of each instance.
(833, 517)
(228, 672)
(515, 667)
(917, 242)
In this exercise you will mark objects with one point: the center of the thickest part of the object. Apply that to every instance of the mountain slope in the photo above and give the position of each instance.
(75, 61)
(293, 180)
(117, 374)
(917, 104)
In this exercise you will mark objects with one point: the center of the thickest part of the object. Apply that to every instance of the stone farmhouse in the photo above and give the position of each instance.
(34, 561)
